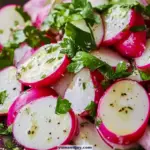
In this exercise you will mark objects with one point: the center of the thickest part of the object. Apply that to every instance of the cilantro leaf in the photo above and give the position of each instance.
(91, 108)
(144, 76)
(5, 131)
(138, 28)
(76, 34)
(79, 3)
(3, 96)
(24, 15)
(63, 106)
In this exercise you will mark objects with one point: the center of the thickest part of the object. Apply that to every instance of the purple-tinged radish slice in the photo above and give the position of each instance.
(12, 19)
(44, 67)
(35, 121)
(84, 88)
(118, 109)
(117, 21)
(109, 56)
(21, 52)
(97, 29)
(89, 136)
(62, 84)
(143, 62)
(10, 88)
(144, 140)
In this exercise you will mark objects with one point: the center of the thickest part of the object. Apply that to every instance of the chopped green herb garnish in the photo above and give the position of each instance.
(4, 130)
(51, 60)
(84, 85)
(1, 31)
(138, 28)
(43, 76)
(63, 106)
(3, 96)
(145, 76)
(91, 108)
(98, 122)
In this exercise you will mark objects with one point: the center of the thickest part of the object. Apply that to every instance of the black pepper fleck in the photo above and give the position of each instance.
(57, 137)
(123, 94)
(58, 123)
(14, 89)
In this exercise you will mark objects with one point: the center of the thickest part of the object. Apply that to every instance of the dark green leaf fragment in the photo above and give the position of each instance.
(98, 122)
(91, 108)
(63, 106)
(3, 96)
(138, 28)
(4, 130)
(145, 76)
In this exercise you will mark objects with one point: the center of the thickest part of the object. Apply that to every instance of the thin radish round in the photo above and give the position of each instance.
(84, 88)
(109, 56)
(117, 21)
(143, 62)
(133, 45)
(97, 29)
(34, 120)
(122, 122)
(89, 136)
(21, 52)
(10, 88)
(144, 140)
(44, 67)
(62, 84)
(7, 24)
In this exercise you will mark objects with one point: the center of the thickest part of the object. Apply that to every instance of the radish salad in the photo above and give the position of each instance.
(75, 72)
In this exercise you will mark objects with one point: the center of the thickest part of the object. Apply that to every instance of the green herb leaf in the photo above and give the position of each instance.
(63, 106)
(138, 28)
(5, 131)
(79, 3)
(18, 37)
(103, 8)
(98, 122)
(145, 76)
(3, 96)
(76, 34)
(25, 16)
(91, 108)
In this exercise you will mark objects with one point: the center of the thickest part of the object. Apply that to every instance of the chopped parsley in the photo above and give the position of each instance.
(98, 122)
(84, 85)
(63, 106)
(43, 76)
(138, 28)
(1, 31)
(91, 108)
(4, 130)
(3, 96)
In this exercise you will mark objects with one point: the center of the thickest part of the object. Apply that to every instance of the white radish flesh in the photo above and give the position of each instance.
(143, 62)
(135, 76)
(43, 64)
(61, 86)
(81, 91)
(109, 56)
(97, 29)
(98, 2)
(37, 126)
(11, 85)
(89, 136)
(121, 103)
(12, 18)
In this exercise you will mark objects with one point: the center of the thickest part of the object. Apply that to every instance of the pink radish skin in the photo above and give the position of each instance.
(52, 75)
(3, 78)
(33, 95)
(134, 45)
(87, 86)
(128, 138)
(143, 62)
(122, 34)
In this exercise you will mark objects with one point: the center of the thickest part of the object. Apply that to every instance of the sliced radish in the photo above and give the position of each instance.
(97, 29)
(10, 87)
(143, 62)
(39, 9)
(21, 52)
(62, 84)
(122, 122)
(119, 147)
(98, 2)
(144, 141)
(117, 22)
(34, 120)
(84, 88)
(7, 24)
(89, 136)
(133, 45)
(44, 67)
(110, 57)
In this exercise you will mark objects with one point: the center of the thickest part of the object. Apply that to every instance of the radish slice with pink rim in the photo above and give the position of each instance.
(7, 24)
(10, 88)
(110, 57)
(122, 122)
(117, 26)
(143, 62)
(84, 88)
(33, 117)
(44, 67)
